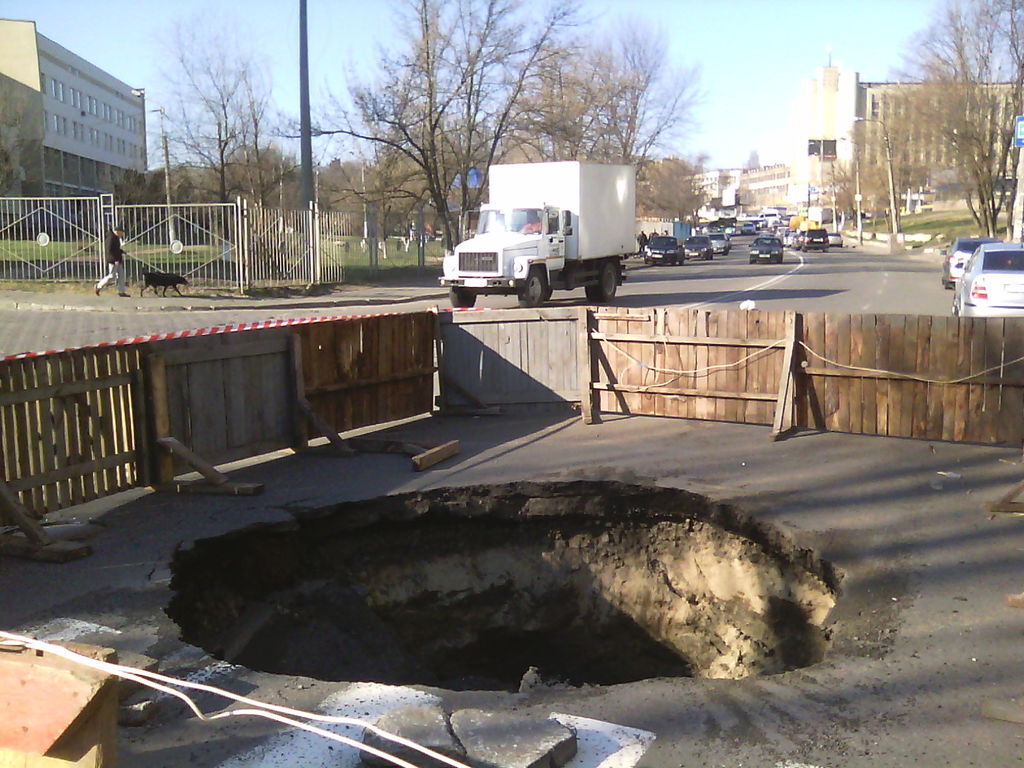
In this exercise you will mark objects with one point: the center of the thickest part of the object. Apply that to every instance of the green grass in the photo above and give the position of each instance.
(943, 225)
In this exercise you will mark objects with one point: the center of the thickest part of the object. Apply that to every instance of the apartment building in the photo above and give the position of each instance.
(77, 129)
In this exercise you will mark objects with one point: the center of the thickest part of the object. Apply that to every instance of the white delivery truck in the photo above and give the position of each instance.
(548, 225)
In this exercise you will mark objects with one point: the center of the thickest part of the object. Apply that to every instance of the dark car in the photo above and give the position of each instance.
(956, 256)
(698, 247)
(814, 240)
(663, 249)
(766, 249)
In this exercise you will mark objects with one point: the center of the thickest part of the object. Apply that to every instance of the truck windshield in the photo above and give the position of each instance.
(524, 220)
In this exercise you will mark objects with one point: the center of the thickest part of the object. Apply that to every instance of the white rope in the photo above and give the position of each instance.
(696, 371)
(911, 376)
(274, 712)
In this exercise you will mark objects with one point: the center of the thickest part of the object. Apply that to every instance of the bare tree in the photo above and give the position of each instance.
(447, 99)
(971, 68)
(219, 110)
(612, 100)
(673, 187)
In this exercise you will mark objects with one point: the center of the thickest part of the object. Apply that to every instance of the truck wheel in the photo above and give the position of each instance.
(607, 284)
(535, 290)
(460, 298)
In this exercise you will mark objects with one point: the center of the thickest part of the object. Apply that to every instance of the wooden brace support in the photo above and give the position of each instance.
(216, 481)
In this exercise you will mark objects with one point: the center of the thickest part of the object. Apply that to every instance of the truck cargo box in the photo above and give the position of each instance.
(601, 198)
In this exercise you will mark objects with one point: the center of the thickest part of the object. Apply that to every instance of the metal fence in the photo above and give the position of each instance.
(52, 238)
(234, 245)
(202, 242)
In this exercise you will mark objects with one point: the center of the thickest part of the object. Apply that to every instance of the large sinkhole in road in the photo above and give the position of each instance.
(468, 588)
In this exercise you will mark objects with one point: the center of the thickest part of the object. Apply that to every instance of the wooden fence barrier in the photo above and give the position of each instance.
(80, 425)
(509, 357)
(724, 366)
(68, 426)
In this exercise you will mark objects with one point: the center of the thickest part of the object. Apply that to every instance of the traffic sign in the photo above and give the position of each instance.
(1018, 132)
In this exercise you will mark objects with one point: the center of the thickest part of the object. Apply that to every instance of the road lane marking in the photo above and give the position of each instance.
(757, 287)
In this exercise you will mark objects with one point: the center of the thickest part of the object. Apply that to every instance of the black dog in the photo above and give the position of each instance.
(163, 280)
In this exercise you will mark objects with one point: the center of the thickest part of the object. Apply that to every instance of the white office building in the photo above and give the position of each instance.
(87, 126)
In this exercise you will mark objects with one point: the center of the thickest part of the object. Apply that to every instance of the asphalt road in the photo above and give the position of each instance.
(842, 280)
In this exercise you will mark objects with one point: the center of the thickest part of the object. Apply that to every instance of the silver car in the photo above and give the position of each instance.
(992, 284)
(956, 256)
(720, 243)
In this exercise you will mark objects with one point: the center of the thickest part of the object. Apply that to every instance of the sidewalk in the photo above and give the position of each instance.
(423, 289)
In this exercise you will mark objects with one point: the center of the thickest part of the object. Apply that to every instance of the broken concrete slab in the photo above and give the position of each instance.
(425, 724)
(506, 740)
(603, 744)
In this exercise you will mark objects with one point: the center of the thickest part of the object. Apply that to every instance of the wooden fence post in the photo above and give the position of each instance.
(783, 421)
(300, 433)
(156, 382)
(585, 366)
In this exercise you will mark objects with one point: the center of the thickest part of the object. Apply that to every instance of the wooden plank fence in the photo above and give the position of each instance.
(509, 357)
(368, 370)
(68, 426)
(80, 425)
(694, 364)
(935, 378)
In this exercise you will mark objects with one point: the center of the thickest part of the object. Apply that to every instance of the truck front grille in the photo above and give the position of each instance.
(478, 262)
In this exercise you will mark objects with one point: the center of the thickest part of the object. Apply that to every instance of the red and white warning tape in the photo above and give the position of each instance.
(228, 328)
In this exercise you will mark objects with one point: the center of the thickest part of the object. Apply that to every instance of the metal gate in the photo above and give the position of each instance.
(201, 241)
(281, 246)
(50, 238)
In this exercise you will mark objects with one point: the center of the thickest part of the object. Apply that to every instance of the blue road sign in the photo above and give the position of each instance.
(1018, 132)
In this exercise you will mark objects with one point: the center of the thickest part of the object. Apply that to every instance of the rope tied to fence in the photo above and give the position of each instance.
(704, 371)
(911, 376)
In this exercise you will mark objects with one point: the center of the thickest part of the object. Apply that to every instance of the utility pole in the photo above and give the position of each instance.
(305, 130)
(857, 196)
(895, 235)
(894, 214)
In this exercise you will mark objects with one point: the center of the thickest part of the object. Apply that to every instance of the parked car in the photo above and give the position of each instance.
(663, 249)
(956, 256)
(992, 284)
(720, 243)
(698, 247)
(835, 239)
(813, 240)
(766, 248)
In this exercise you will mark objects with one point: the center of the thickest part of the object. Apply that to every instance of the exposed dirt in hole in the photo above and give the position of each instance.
(589, 582)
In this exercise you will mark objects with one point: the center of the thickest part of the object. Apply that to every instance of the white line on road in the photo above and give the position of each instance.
(757, 287)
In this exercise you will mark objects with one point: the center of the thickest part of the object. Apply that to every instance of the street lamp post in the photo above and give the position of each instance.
(167, 177)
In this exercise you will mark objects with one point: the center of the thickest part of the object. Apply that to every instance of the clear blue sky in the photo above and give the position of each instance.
(752, 53)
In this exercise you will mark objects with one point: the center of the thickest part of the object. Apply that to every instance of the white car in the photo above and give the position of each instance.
(835, 239)
(992, 284)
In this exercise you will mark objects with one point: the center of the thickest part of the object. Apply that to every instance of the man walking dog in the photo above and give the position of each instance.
(115, 260)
